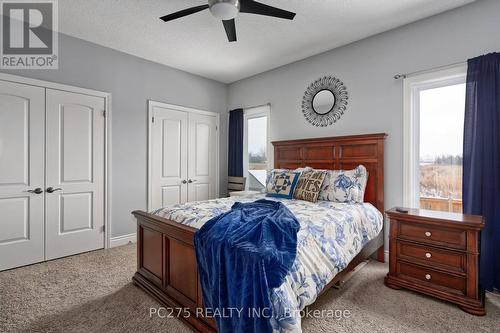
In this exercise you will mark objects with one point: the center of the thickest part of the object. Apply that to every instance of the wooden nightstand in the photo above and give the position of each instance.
(436, 253)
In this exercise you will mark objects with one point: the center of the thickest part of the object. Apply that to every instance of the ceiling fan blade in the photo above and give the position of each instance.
(183, 13)
(254, 7)
(230, 27)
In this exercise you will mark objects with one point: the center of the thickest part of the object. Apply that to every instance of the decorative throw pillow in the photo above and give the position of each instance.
(270, 172)
(345, 186)
(309, 185)
(282, 184)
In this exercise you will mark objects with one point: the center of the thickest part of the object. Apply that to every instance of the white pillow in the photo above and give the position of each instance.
(344, 186)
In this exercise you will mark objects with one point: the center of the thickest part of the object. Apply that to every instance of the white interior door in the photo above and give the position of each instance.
(21, 170)
(202, 157)
(75, 172)
(168, 156)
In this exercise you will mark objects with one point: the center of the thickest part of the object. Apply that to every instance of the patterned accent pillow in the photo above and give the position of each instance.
(282, 184)
(345, 186)
(309, 185)
(270, 172)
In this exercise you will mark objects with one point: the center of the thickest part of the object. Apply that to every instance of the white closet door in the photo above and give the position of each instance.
(21, 170)
(75, 170)
(202, 154)
(168, 157)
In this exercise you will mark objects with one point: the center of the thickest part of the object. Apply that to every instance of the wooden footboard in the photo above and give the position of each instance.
(166, 267)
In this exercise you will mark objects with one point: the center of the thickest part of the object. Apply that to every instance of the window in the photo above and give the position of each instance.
(434, 124)
(256, 146)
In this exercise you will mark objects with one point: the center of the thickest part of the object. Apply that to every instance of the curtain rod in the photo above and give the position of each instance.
(251, 107)
(404, 76)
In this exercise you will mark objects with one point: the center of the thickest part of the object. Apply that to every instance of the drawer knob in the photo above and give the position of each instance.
(427, 276)
(428, 234)
(428, 255)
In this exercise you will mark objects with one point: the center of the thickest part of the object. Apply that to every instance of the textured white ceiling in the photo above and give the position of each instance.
(198, 43)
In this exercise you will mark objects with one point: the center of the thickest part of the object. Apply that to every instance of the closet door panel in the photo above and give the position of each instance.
(76, 134)
(169, 157)
(75, 173)
(21, 170)
(202, 157)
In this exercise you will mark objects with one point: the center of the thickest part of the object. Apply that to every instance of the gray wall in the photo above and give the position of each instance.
(132, 81)
(367, 67)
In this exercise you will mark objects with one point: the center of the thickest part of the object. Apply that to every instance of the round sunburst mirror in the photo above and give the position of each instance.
(325, 101)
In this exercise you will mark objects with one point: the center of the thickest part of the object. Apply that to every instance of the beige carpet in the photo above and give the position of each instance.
(92, 292)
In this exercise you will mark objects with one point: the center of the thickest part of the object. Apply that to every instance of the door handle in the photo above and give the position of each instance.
(51, 189)
(184, 181)
(38, 190)
(191, 181)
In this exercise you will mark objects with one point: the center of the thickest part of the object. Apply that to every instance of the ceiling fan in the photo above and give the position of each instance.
(227, 10)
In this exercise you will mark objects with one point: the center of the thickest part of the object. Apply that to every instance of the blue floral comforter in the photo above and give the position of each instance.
(331, 235)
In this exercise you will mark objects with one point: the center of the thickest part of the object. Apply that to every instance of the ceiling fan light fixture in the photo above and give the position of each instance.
(227, 10)
(224, 9)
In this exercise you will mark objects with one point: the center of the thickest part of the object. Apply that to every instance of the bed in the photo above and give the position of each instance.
(166, 263)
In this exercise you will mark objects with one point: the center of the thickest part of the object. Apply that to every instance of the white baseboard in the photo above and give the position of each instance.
(122, 240)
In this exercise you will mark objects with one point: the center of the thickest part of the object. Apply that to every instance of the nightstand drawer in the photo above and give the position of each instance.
(433, 235)
(427, 255)
(432, 277)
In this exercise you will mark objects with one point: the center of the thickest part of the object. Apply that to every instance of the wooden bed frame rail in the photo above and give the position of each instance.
(166, 262)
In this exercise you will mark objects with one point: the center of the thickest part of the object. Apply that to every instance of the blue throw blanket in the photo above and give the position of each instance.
(241, 255)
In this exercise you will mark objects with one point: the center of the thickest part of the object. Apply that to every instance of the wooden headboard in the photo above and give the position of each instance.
(338, 153)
